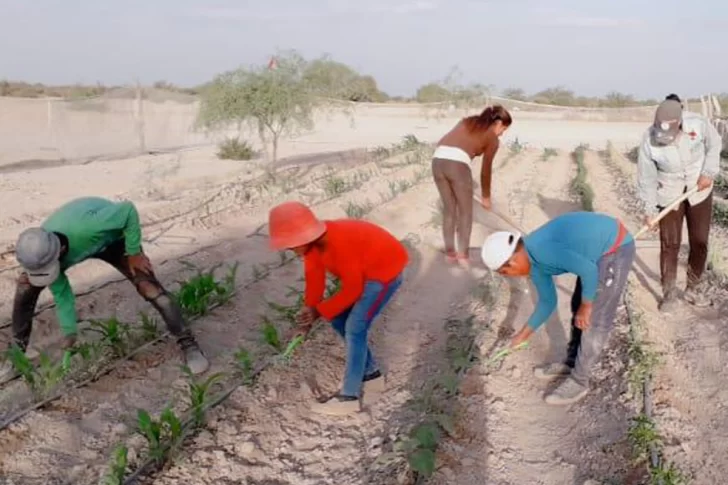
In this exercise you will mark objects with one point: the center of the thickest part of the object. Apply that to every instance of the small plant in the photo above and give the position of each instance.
(234, 149)
(720, 213)
(44, 377)
(356, 210)
(200, 393)
(244, 363)
(548, 153)
(515, 147)
(291, 347)
(270, 335)
(335, 186)
(410, 142)
(150, 331)
(117, 466)
(643, 436)
(667, 476)
(420, 448)
(114, 335)
(200, 293)
(162, 435)
(580, 187)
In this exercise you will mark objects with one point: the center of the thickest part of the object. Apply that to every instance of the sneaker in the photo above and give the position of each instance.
(7, 372)
(551, 371)
(669, 302)
(696, 297)
(568, 392)
(337, 406)
(196, 360)
(374, 383)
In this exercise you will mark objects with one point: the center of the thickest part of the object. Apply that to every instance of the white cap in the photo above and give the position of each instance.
(498, 248)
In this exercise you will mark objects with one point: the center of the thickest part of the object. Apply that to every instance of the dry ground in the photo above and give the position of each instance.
(207, 211)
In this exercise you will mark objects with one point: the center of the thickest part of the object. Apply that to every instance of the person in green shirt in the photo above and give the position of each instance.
(89, 227)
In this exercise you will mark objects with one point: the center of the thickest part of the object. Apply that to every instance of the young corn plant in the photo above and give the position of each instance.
(289, 312)
(114, 335)
(548, 153)
(335, 186)
(270, 335)
(643, 436)
(203, 291)
(200, 393)
(580, 187)
(162, 435)
(420, 447)
(149, 330)
(44, 377)
(244, 364)
(356, 210)
(117, 466)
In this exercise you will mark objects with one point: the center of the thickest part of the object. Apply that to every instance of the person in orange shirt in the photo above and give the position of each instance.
(368, 261)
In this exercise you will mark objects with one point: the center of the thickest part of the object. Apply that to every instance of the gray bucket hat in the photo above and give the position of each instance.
(666, 126)
(38, 252)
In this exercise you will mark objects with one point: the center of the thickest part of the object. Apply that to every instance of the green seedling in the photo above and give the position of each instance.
(289, 312)
(643, 436)
(667, 476)
(89, 351)
(117, 466)
(22, 364)
(548, 153)
(162, 435)
(270, 335)
(200, 394)
(201, 292)
(420, 448)
(150, 331)
(114, 335)
(335, 186)
(291, 347)
(244, 363)
(355, 210)
(580, 186)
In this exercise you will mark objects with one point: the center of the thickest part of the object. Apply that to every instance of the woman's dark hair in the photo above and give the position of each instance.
(673, 97)
(490, 115)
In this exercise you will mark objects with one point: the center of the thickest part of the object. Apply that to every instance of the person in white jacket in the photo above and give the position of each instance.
(679, 151)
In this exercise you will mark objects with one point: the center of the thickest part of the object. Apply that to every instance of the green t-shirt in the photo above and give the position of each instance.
(90, 224)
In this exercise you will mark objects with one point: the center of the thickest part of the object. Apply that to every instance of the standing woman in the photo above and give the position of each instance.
(472, 136)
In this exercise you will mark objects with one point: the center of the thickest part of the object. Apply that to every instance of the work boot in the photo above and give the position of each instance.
(669, 302)
(337, 406)
(195, 360)
(374, 382)
(551, 371)
(696, 297)
(568, 392)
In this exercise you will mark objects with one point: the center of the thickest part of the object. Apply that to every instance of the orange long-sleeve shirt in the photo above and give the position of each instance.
(354, 251)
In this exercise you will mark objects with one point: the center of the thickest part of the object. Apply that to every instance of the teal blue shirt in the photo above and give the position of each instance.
(90, 224)
(570, 243)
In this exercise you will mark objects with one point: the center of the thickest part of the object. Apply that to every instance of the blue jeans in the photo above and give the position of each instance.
(353, 325)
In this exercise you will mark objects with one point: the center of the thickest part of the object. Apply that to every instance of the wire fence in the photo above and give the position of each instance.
(133, 121)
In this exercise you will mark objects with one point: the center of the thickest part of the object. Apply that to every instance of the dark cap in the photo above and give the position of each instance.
(666, 126)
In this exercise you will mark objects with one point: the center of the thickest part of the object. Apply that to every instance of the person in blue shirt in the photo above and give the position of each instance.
(599, 250)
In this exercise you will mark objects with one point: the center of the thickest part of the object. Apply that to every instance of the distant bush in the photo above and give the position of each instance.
(235, 149)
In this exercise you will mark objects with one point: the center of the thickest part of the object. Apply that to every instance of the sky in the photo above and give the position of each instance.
(644, 47)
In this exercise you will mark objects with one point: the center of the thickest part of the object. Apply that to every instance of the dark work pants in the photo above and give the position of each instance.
(585, 347)
(454, 182)
(698, 218)
(26, 298)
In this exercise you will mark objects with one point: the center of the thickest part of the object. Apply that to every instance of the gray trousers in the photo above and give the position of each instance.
(585, 347)
(454, 182)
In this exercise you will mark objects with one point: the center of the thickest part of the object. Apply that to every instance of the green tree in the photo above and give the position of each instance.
(336, 80)
(275, 102)
(615, 99)
(432, 93)
(558, 95)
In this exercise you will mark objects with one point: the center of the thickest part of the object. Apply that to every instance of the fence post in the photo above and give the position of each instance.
(139, 112)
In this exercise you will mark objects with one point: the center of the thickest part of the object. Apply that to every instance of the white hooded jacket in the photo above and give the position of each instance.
(666, 172)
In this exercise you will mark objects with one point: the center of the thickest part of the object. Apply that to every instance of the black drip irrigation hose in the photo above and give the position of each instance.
(646, 390)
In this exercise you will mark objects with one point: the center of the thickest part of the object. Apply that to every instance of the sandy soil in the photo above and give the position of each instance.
(207, 211)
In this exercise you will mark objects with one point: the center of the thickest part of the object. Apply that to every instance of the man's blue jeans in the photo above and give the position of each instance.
(354, 324)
